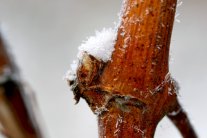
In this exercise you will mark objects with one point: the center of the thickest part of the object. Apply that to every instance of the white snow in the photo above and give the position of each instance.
(100, 46)
(176, 18)
(174, 113)
(179, 3)
(121, 13)
(71, 73)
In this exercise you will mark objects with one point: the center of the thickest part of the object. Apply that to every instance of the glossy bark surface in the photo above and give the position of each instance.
(139, 65)
(134, 91)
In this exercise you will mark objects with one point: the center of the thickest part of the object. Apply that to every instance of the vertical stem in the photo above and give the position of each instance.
(140, 59)
(134, 91)
(139, 64)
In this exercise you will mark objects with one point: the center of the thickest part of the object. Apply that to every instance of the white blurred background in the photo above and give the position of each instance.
(44, 36)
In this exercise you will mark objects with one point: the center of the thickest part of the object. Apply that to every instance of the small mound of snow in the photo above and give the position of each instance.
(71, 73)
(100, 46)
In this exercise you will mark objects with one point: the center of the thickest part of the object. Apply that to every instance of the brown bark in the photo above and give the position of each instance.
(134, 91)
(18, 112)
(181, 121)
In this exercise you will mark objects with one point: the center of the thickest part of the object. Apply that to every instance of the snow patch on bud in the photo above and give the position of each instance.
(71, 73)
(100, 46)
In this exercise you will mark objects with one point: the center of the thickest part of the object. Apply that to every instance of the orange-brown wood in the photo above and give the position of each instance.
(139, 64)
(133, 91)
(142, 48)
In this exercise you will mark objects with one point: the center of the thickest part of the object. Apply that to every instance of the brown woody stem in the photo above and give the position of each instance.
(125, 124)
(140, 64)
(134, 91)
(181, 121)
(140, 59)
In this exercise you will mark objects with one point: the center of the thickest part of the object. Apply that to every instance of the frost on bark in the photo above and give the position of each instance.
(133, 91)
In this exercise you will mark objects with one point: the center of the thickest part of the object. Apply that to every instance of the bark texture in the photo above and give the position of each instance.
(134, 91)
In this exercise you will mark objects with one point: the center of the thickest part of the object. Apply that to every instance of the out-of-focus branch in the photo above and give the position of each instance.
(18, 110)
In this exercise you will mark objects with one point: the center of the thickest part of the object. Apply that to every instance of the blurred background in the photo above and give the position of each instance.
(44, 35)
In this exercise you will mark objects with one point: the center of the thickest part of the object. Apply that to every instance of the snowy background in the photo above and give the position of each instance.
(44, 36)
